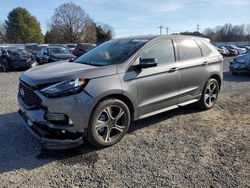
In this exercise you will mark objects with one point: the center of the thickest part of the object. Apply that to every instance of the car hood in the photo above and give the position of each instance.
(243, 58)
(63, 56)
(63, 70)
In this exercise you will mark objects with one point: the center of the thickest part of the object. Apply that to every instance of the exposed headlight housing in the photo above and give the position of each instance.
(65, 88)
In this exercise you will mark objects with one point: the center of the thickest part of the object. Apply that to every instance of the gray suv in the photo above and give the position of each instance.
(100, 93)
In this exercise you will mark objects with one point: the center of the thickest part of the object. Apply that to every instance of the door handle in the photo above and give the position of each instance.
(205, 63)
(173, 69)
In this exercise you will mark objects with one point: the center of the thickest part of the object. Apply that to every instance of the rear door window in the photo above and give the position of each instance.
(204, 48)
(162, 50)
(188, 49)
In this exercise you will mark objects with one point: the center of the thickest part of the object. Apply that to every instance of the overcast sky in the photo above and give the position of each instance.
(133, 17)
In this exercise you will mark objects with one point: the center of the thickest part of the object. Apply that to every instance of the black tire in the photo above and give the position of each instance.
(97, 133)
(5, 65)
(209, 97)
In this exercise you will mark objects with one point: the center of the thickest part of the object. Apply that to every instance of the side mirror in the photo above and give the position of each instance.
(147, 62)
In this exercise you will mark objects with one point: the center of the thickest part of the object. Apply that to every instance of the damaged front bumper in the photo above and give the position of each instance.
(50, 138)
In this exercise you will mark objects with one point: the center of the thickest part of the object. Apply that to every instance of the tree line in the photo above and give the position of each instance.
(225, 33)
(69, 24)
(228, 33)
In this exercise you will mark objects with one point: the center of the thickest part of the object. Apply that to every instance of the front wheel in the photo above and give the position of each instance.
(210, 94)
(109, 123)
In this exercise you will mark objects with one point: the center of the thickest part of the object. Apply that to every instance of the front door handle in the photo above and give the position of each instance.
(174, 69)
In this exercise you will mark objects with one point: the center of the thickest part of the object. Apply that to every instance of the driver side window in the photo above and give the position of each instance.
(162, 50)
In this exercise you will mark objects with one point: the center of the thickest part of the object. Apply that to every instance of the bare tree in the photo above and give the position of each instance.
(71, 24)
(90, 31)
(2, 33)
(247, 30)
(228, 32)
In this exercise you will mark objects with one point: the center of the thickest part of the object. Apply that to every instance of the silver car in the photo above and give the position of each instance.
(98, 95)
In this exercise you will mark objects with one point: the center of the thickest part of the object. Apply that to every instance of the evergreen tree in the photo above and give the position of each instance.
(22, 27)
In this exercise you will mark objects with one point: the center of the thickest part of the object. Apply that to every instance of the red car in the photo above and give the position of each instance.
(82, 48)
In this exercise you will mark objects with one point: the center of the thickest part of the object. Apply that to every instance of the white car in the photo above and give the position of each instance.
(240, 50)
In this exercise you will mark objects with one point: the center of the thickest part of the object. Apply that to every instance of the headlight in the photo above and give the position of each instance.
(65, 88)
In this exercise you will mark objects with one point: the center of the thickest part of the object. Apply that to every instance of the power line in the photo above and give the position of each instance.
(167, 29)
(160, 27)
(198, 28)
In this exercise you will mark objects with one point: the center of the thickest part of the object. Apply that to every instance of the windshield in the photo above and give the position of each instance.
(71, 45)
(57, 50)
(111, 52)
(33, 48)
(16, 50)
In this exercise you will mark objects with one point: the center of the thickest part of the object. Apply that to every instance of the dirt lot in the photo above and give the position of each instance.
(180, 148)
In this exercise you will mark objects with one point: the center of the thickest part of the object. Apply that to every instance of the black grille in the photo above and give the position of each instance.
(28, 95)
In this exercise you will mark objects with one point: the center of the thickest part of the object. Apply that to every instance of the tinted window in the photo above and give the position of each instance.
(163, 51)
(58, 50)
(204, 48)
(188, 49)
(42, 51)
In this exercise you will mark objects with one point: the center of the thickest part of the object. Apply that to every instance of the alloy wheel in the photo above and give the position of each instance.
(111, 123)
(211, 94)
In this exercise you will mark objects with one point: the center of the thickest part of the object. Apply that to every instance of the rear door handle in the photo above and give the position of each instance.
(205, 63)
(173, 69)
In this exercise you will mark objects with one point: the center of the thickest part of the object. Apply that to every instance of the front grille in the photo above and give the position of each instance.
(28, 95)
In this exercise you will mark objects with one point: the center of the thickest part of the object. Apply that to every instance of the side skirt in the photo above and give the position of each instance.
(168, 108)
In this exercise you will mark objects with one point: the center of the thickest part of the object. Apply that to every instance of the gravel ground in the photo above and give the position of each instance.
(181, 148)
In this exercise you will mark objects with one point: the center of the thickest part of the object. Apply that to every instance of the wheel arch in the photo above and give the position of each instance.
(120, 96)
(218, 78)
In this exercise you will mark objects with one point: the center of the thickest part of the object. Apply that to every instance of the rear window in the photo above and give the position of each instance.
(188, 49)
(204, 48)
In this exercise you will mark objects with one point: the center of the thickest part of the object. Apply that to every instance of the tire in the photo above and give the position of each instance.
(109, 123)
(5, 65)
(209, 95)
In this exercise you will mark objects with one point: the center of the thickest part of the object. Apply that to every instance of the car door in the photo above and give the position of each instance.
(193, 70)
(158, 87)
(44, 55)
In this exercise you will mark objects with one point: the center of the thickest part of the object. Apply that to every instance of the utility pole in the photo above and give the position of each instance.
(167, 29)
(160, 27)
(198, 28)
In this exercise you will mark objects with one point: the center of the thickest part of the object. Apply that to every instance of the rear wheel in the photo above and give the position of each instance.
(210, 94)
(5, 65)
(109, 123)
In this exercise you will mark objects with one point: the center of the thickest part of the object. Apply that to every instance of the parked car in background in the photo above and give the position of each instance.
(244, 47)
(54, 53)
(97, 96)
(232, 52)
(240, 64)
(239, 50)
(15, 57)
(248, 47)
(82, 48)
(71, 47)
(33, 48)
(223, 51)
